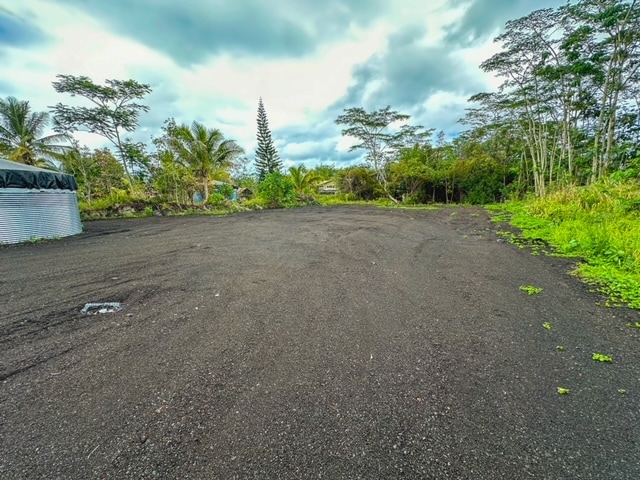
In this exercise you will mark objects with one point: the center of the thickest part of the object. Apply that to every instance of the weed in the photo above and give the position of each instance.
(547, 325)
(599, 357)
(598, 223)
(622, 391)
(531, 290)
(560, 348)
(563, 391)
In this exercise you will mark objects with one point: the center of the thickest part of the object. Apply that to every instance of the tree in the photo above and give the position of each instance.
(325, 172)
(97, 172)
(114, 111)
(613, 52)
(359, 181)
(21, 133)
(205, 150)
(303, 179)
(569, 95)
(84, 168)
(267, 158)
(371, 129)
(171, 178)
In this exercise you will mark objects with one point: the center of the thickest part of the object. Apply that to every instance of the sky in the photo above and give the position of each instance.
(211, 61)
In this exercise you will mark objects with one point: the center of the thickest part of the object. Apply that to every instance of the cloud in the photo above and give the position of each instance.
(483, 18)
(192, 32)
(410, 76)
(16, 31)
(210, 61)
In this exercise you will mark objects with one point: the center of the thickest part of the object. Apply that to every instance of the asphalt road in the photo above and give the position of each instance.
(344, 342)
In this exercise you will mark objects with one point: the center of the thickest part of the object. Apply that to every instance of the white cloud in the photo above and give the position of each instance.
(223, 90)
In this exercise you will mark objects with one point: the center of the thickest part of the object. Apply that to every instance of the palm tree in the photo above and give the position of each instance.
(303, 179)
(205, 150)
(21, 133)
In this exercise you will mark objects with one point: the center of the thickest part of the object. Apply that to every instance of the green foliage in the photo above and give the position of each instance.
(171, 178)
(205, 151)
(563, 391)
(225, 189)
(547, 325)
(113, 110)
(531, 290)
(359, 182)
(115, 198)
(560, 348)
(277, 191)
(325, 172)
(304, 181)
(21, 135)
(380, 145)
(267, 158)
(566, 111)
(217, 199)
(599, 223)
(599, 357)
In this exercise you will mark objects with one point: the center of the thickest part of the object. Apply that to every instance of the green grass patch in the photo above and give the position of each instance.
(599, 357)
(599, 224)
(531, 290)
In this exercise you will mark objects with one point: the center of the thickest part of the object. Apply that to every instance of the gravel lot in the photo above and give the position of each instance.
(342, 342)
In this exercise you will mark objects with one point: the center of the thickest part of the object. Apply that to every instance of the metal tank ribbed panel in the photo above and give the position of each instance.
(34, 214)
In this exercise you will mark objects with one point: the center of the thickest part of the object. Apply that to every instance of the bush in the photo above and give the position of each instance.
(360, 182)
(217, 199)
(277, 191)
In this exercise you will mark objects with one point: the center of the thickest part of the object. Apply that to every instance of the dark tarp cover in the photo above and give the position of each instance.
(17, 175)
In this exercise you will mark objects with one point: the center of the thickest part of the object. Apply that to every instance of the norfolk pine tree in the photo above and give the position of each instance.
(267, 159)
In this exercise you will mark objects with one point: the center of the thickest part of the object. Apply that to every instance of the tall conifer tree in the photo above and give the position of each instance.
(267, 158)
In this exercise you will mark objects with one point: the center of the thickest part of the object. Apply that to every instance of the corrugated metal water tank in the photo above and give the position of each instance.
(33, 214)
(36, 203)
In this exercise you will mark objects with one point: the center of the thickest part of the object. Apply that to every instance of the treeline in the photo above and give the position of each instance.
(567, 113)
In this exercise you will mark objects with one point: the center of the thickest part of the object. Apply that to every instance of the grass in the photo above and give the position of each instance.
(599, 224)
(599, 357)
(531, 290)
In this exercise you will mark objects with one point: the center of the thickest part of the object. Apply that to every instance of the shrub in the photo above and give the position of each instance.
(277, 191)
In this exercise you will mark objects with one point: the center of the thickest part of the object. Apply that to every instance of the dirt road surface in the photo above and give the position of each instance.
(335, 343)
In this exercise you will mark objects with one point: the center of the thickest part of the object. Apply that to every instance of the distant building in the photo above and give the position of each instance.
(327, 187)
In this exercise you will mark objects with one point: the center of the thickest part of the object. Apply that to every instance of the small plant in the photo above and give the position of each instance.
(531, 290)
(560, 348)
(599, 357)
(547, 325)
(563, 391)
(622, 391)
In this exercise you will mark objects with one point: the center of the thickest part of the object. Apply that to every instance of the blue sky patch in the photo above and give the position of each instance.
(17, 32)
